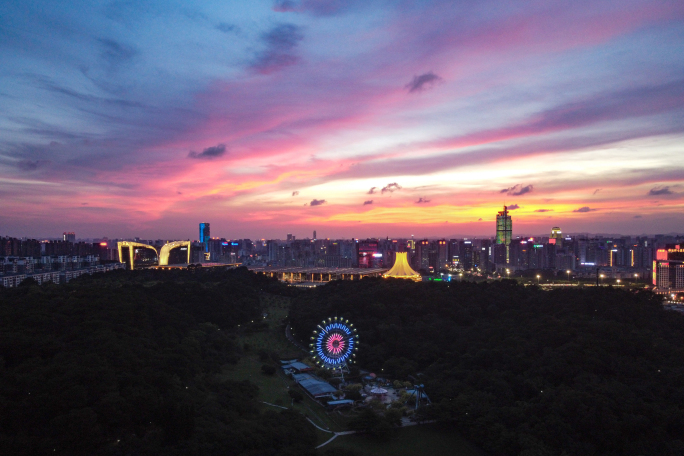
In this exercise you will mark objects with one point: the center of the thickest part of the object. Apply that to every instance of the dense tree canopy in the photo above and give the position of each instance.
(590, 371)
(129, 363)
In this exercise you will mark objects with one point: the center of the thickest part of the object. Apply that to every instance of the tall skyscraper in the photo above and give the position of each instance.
(69, 236)
(668, 269)
(504, 230)
(556, 236)
(314, 238)
(204, 235)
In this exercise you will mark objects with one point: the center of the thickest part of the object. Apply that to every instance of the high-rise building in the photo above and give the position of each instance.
(69, 236)
(466, 254)
(204, 235)
(668, 269)
(556, 236)
(314, 238)
(504, 230)
(422, 258)
(442, 255)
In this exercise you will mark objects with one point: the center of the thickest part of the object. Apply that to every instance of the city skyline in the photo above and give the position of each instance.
(357, 119)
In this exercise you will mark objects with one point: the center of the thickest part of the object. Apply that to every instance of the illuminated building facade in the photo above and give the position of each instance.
(504, 230)
(556, 236)
(668, 269)
(147, 255)
(368, 255)
(204, 235)
(69, 236)
(401, 269)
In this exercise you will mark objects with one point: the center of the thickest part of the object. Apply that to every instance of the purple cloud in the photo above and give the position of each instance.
(281, 42)
(31, 165)
(316, 202)
(422, 201)
(513, 207)
(209, 153)
(544, 210)
(517, 190)
(390, 188)
(585, 209)
(658, 191)
(366, 203)
(372, 190)
(423, 82)
(295, 193)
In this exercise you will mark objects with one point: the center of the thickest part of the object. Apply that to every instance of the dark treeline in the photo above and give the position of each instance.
(521, 371)
(128, 363)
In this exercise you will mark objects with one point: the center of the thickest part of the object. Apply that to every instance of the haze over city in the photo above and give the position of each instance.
(352, 118)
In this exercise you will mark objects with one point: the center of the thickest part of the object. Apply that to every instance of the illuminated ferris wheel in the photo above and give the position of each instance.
(334, 343)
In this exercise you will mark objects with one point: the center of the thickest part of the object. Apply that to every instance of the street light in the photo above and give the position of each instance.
(601, 279)
(618, 282)
(508, 273)
(538, 276)
(568, 271)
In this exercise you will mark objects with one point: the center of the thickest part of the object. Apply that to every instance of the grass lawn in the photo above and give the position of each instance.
(274, 388)
(421, 440)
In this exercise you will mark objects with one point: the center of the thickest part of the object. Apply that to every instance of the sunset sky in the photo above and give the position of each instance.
(352, 118)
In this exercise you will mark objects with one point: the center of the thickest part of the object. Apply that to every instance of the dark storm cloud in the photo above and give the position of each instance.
(281, 42)
(209, 153)
(422, 82)
(517, 190)
(513, 207)
(544, 210)
(584, 209)
(295, 193)
(366, 203)
(390, 187)
(372, 191)
(657, 191)
(316, 202)
(422, 201)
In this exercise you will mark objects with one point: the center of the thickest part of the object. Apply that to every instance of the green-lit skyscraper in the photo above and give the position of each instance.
(504, 230)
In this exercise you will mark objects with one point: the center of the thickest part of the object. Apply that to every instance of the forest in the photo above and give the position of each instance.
(519, 370)
(129, 363)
